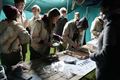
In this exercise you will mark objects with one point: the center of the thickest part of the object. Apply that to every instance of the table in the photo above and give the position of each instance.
(60, 70)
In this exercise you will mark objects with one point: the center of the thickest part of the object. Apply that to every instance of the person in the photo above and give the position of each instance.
(38, 33)
(12, 36)
(97, 26)
(42, 34)
(36, 10)
(61, 21)
(73, 33)
(20, 5)
(107, 54)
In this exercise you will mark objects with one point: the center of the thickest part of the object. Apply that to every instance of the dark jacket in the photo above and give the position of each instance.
(60, 25)
(107, 56)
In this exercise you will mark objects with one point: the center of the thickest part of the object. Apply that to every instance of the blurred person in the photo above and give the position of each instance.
(61, 21)
(73, 33)
(38, 33)
(12, 36)
(97, 26)
(20, 5)
(42, 35)
(107, 54)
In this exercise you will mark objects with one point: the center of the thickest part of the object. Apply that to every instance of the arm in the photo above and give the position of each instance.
(93, 29)
(66, 33)
(37, 31)
(23, 35)
(108, 46)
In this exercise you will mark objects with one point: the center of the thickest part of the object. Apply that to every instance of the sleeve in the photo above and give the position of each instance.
(4, 35)
(108, 45)
(23, 34)
(93, 29)
(36, 36)
(66, 33)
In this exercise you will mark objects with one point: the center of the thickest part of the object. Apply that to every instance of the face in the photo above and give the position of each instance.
(64, 14)
(35, 11)
(20, 6)
(55, 19)
(77, 16)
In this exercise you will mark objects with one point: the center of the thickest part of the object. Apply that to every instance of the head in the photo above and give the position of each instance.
(11, 12)
(63, 11)
(53, 15)
(36, 10)
(101, 15)
(77, 16)
(83, 24)
(20, 4)
(109, 6)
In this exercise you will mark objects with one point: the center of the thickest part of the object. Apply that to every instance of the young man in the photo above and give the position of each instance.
(61, 21)
(20, 5)
(97, 26)
(12, 36)
(73, 33)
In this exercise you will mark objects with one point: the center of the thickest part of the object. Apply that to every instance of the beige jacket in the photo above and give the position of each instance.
(12, 35)
(68, 33)
(39, 35)
(96, 27)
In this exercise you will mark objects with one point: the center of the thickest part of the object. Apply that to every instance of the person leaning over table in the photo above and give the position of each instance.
(97, 26)
(107, 54)
(42, 35)
(12, 36)
(73, 33)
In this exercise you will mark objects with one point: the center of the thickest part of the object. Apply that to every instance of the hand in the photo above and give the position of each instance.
(76, 45)
(84, 57)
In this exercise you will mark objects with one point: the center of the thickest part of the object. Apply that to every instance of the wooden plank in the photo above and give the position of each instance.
(61, 78)
(76, 77)
(54, 77)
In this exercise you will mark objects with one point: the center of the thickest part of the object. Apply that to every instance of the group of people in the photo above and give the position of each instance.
(16, 33)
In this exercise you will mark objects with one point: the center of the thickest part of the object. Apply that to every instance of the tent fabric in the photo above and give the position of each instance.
(48, 4)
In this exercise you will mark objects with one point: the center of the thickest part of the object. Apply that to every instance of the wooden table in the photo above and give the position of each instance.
(43, 71)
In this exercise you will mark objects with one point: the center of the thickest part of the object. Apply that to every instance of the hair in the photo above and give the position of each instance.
(54, 12)
(10, 12)
(36, 7)
(76, 15)
(18, 1)
(109, 5)
(63, 10)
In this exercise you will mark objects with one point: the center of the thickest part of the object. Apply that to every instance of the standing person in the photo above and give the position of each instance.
(107, 54)
(73, 33)
(36, 10)
(97, 26)
(20, 5)
(61, 21)
(39, 35)
(12, 36)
